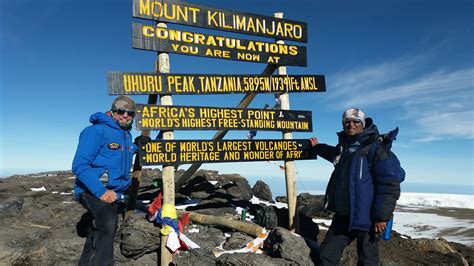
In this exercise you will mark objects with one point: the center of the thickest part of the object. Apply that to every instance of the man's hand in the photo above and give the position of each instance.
(314, 141)
(380, 227)
(109, 196)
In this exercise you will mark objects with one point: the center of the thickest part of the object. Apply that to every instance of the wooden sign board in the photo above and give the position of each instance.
(153, 38)
(161, 117)
(219, 151)
(120, 83)
(220, 19)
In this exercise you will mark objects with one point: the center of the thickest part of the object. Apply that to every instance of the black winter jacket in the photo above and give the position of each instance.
(374, 187)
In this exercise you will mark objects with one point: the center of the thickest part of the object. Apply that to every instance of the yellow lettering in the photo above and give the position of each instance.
(144, 7)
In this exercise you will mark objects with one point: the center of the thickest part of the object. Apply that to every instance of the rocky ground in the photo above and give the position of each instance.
(39, 225)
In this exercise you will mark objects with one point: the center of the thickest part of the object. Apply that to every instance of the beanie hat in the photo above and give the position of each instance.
(354, 113)
(123, 102)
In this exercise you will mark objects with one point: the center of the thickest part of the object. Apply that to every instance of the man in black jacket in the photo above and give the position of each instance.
(362, 192)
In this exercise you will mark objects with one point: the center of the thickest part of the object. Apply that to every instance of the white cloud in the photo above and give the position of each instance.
(439, 103)
(434, 84)
(439, 125)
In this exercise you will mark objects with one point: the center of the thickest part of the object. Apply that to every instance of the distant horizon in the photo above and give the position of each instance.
(302, 184)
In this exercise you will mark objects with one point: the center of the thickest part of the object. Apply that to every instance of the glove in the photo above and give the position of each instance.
(141, 139)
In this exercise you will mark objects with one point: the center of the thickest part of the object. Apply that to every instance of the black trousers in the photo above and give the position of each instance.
(339, 237)
(99, 246)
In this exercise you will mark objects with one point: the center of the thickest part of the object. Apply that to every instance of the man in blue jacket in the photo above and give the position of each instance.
(105, 147)
(362, 193)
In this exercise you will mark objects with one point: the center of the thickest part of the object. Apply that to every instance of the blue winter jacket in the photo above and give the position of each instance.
(104, 147)
(374, 190)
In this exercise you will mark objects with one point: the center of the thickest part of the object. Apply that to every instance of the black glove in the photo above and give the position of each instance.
(141, 139)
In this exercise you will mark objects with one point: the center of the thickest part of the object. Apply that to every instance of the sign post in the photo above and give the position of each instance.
(290, 171)
(168, 170)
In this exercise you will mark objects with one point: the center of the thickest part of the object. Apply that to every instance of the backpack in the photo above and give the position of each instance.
(385, 139)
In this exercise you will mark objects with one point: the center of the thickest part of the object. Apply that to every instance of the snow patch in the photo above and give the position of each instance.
(193, 230)
(436, 200)
(323, 222)
(427, 225)
(38, 189)
(257, 201)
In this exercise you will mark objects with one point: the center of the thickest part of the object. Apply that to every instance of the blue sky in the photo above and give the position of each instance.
(405, 63)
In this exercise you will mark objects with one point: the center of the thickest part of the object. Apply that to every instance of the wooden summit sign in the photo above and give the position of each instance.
(154, 38)
(212, 118)
(220, 19)
(157, 83)
(215, 151)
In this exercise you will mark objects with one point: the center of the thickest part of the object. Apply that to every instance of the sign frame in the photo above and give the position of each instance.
(146, 83)
(171, 152)
(190, 14)
(161, 39)
(163, 117)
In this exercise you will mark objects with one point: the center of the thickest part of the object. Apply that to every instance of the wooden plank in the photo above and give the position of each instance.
(210, 118)
(174, 152)
(224, 221)
(141, 83)
(154, 38)
(183, 13)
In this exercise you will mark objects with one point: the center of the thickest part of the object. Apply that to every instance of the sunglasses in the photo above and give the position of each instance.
(122, 112)
(355, 121)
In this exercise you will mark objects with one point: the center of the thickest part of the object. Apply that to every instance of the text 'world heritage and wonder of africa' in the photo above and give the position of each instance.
(213, 151)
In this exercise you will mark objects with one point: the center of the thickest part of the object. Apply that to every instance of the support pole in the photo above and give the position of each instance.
(168, 170)
(290, 172)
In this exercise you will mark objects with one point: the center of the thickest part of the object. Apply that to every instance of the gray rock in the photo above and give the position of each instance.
(43, 231)
(237, 240)
(282, 243)
(228, 188)
(311, 205)
(195, 257)
(139, 237)
(207, 238)
(267, 217)
(250, 259)
(281, 199)
(238, 188)
(271, 217)
(10, 205)
(262, 191)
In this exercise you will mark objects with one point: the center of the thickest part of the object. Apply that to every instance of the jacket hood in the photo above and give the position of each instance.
(103, 118)
(369, 135)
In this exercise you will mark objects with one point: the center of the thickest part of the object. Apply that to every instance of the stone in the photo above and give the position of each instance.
(10, 205)
(250, 259)
(139, 237)
(238, 188)
(311, 205)
(281, 199)
(195, 257)
(262, 191)
(266, 217)
(237, 240)
(207, 238)
(42, 228)
(281, 243)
